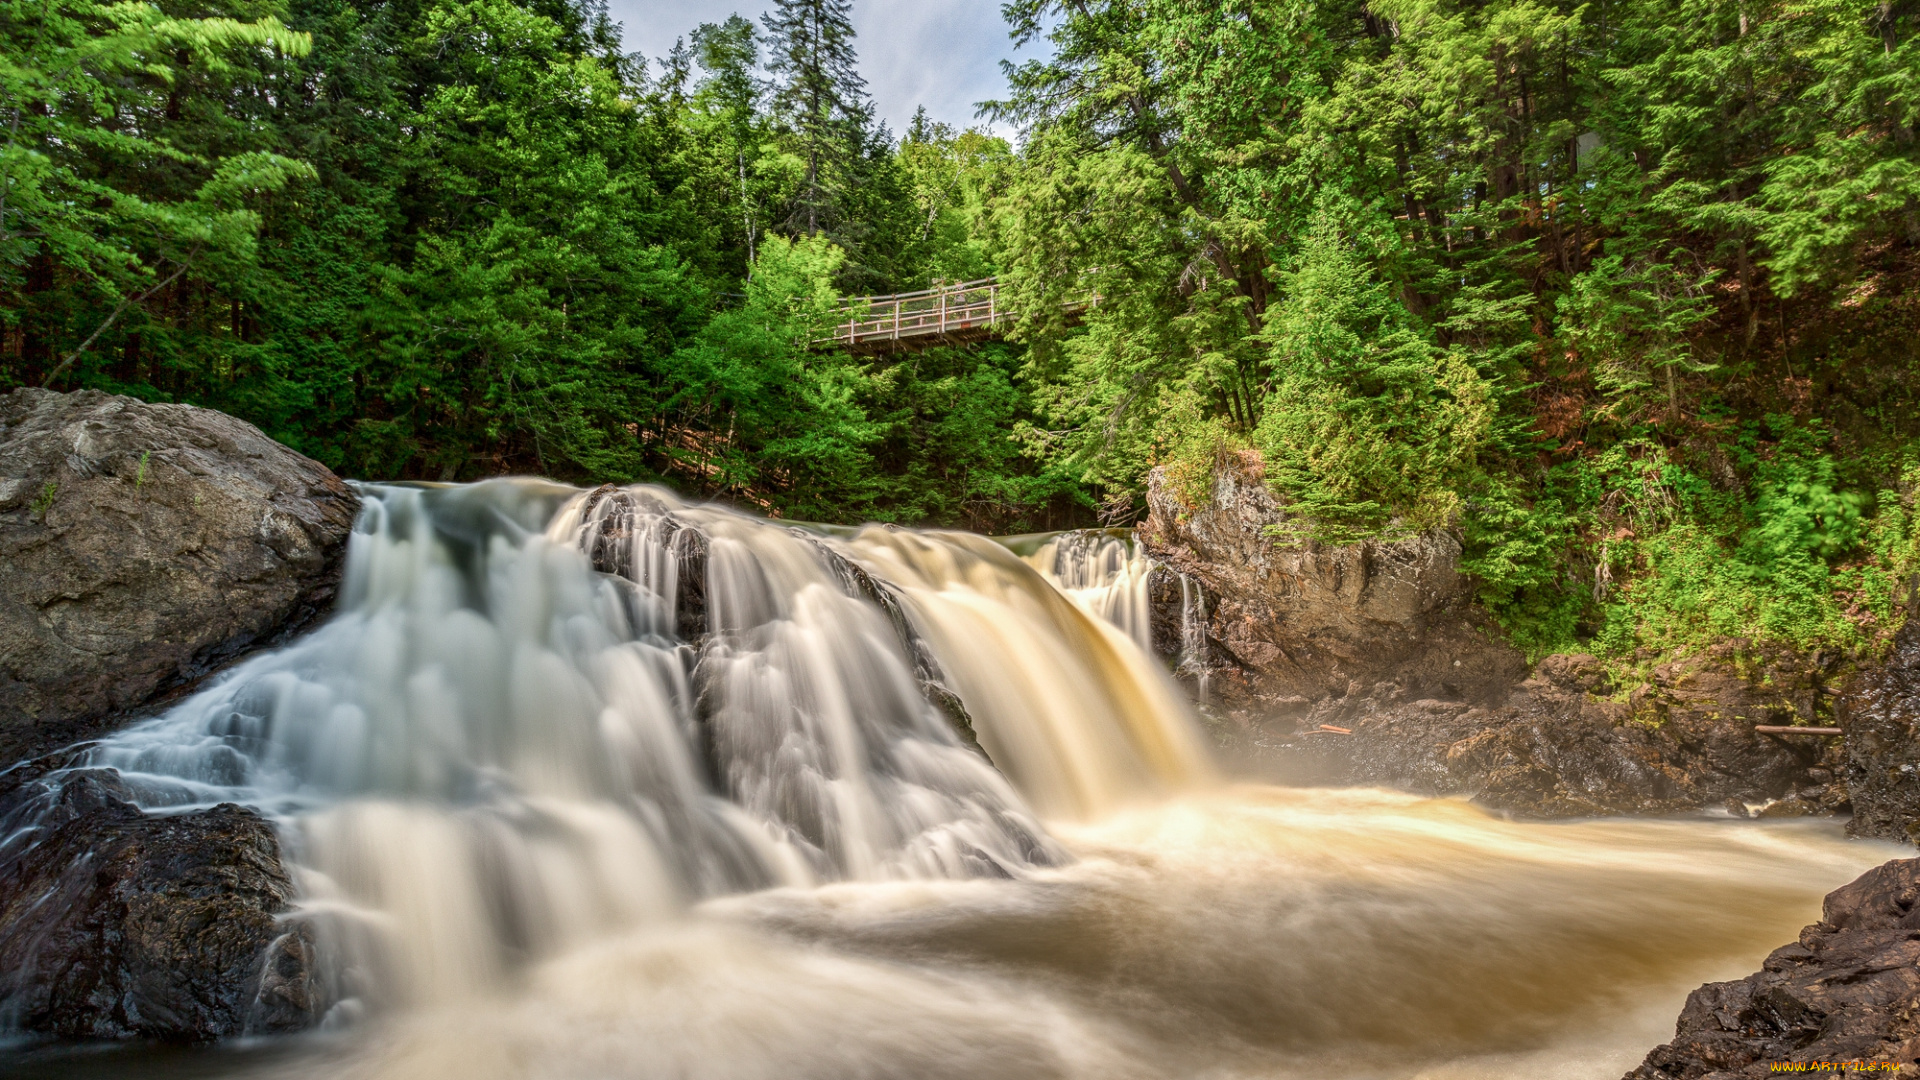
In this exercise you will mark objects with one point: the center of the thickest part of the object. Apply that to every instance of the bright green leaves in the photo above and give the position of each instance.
(1631, 324)
(83, 82)
(1367, 421)
(1853, 177)
(795, 430)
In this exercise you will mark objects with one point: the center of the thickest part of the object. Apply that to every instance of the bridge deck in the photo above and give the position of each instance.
(951, 314)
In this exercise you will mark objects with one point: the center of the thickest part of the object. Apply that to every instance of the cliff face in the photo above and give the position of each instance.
(1291, 626)
(1881, 715)
(145, 546)
(1385, 640)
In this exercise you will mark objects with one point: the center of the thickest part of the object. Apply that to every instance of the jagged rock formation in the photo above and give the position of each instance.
(1848, 990)
(1384, 639)
(145, 546)
(120, 924)
(1294, 625)
(1881, 713)
(1564, 745)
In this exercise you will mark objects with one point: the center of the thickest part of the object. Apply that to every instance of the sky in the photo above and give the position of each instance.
(944, 54)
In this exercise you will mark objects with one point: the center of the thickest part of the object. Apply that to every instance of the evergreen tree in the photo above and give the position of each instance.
(729, 53)
(822, 100)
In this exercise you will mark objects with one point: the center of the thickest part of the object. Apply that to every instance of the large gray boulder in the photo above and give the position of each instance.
(141, 547)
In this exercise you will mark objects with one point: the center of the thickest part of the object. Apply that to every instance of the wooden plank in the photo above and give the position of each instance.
(1778, 729)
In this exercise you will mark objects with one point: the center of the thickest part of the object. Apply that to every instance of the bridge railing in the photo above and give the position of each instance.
(964, 312)
(970, 306)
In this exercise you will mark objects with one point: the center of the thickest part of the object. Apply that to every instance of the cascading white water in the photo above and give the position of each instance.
(495, 751)
(1104, 572)
(1108, 573)
(608, 785)
(1193, 635)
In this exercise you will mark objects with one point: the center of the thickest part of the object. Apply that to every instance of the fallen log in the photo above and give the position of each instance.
(1778, 729)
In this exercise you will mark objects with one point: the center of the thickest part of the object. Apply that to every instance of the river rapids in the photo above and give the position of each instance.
(610, 786)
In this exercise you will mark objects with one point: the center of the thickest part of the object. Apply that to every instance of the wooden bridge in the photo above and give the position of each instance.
(948, 315)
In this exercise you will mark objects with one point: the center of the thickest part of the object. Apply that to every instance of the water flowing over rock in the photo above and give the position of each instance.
(1847, 991)
(145, 546)
(116, 924)
(542, 716)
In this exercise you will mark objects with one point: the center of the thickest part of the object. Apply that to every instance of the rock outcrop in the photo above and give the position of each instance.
(1295, 625)
(1881, 714)
(1847, 991)
(145, 546)
(1564, 744)
(1385, 641)
(120, 924)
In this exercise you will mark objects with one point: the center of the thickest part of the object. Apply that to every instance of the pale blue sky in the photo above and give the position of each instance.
(943, 54)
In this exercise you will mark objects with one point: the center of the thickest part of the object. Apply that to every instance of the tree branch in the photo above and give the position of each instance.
(113, 318)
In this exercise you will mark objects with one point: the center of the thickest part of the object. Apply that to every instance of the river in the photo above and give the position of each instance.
(609, 785)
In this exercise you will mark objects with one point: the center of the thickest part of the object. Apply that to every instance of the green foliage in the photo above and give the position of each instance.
(1519, 552)
(43, 502)
(80, 81)
(1574, 282)
(1519, 269)
(1630, 323)
(1366, 420)
(464, 237)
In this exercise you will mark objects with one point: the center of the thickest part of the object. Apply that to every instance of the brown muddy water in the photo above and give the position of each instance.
(550, 826)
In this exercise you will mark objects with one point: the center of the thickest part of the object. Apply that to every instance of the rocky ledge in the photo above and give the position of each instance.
(145, 546)
(1848, 990)
(120, 924)
(1384, 642)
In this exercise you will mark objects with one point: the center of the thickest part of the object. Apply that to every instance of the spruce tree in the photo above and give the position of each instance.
(821, 99)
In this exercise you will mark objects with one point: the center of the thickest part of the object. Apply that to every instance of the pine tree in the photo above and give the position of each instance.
(821, 98)
(729, 52)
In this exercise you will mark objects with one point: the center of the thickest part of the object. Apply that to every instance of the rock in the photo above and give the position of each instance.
(1880, 712)
(1318, 621)
(145, 546)
(1385, 639)
(1848, 990)
(120, 924)
(1559, 748)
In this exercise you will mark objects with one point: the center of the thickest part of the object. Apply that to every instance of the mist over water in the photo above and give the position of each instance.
(604, 784)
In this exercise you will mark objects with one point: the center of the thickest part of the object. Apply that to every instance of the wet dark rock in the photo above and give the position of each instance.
(146, 546)
(934, 685)
(612, 552)
(119, 924)
(1557, 748)
(1384, 640)
(1880, 711)
(1848, 990)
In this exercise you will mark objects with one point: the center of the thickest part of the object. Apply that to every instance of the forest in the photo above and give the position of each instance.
(1624, 292)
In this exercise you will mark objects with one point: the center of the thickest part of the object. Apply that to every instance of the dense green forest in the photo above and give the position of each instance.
(1626, 292)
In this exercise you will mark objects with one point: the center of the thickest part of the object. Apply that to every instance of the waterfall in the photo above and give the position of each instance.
(1106, 574)
(542, 715)
(1193, 634)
